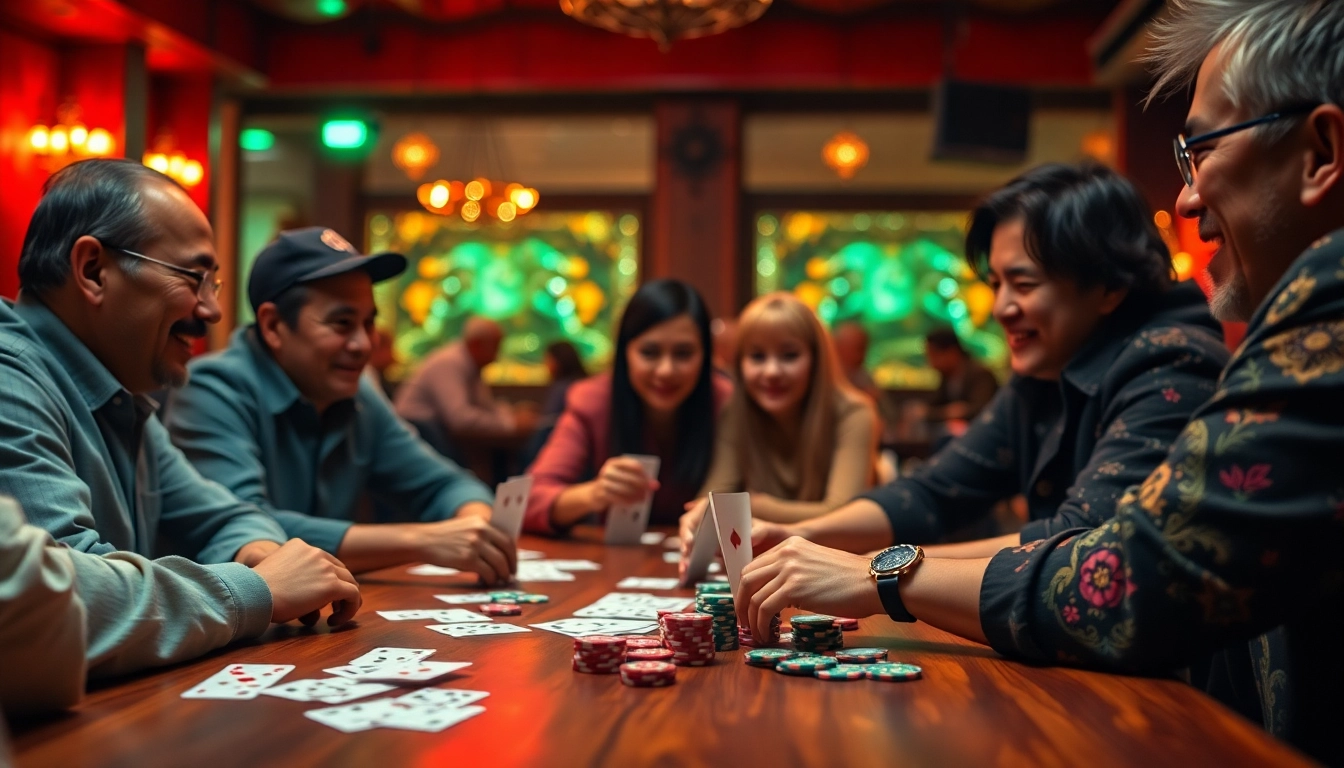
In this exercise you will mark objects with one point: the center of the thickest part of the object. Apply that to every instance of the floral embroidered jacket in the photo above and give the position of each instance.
(1237, 536)
(1071, 446)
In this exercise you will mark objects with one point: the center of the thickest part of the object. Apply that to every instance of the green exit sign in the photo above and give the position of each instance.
(345, 134)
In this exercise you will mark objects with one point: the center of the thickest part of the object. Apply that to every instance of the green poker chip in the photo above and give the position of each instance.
(767, 657)
(531, 599)
(861, 655)
(714, 588)
(813, 621)
(893, 672)
(804, 665)
(507, 594)
(842, 672)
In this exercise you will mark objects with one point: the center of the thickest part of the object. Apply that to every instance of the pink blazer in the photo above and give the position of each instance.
(579, 445)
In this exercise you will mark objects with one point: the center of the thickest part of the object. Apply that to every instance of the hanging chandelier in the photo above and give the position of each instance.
(171, 162)
(69, 140)
(665, 20)
(478, 198)
(845, 153)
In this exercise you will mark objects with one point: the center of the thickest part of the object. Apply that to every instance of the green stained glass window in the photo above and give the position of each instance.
(899, 274)
(547, 276)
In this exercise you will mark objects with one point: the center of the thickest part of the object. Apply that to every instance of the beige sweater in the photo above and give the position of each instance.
(775, 498)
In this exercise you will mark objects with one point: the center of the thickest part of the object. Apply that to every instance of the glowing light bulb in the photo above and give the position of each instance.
(39, 138)
(157, 161)
(475, 190)
(471, 210)
(507, 212)
(192, 173)
(525, 199)
(99, 143)
(58, 140)
(78, 135)
(438, 196)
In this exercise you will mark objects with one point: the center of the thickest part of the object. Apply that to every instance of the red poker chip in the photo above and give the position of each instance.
(648, 668)
(847, 625)
(642, 642)
(592, 641)
(649, 654)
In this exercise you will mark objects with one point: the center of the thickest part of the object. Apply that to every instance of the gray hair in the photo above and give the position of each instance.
(1278, 53)
(101, 198)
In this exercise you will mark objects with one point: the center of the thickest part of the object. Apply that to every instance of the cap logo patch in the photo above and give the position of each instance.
(336, 242)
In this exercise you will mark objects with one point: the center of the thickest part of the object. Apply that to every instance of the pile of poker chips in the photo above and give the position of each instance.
(598, 654)
(744, 636)
(513, 596)
(719, 606)
(648, 674)
(690, 637)
(816, 634)
(855, 664)
(502, 609)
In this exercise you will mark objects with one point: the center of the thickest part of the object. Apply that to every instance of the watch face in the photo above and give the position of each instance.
(894, 559)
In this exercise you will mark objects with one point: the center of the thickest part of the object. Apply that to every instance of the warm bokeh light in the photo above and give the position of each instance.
(438, 196)
(99, 143)
(845, 153)
(414, 154)
(192, 173)
(39, 138)
(59, 141)
(1162, 219)
(506, 212)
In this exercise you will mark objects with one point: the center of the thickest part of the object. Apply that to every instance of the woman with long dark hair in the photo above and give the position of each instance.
(661, 398)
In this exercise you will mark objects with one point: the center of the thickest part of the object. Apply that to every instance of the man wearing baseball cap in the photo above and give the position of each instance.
(285, 420)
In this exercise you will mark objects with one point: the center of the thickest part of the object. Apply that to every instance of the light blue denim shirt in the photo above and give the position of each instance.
(91, 464)
(243, 423)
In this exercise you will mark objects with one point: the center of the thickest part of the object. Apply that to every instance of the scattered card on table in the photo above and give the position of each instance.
(510, 504)
(443, 697)
(351, 718)
(572, 565)
(541, 570)
(391, 656)
(631, 605)
(530, 554)
(475, 598)
(239, 681)
(732, 517)
(430, 719)
(440, 615)
(328, 690)
(652, 538)
(581, 627)
(477, 630)
(640, 582)
(428, 569)
(626, 523)
(410, 672)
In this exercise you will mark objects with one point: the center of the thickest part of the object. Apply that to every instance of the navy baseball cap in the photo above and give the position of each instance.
(303, 255)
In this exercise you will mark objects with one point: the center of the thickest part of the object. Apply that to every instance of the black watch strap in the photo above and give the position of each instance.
(891, 599)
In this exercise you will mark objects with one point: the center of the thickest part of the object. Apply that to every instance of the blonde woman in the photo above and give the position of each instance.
(795, 434)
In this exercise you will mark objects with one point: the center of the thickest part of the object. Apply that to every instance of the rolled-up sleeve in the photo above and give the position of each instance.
(959, 485)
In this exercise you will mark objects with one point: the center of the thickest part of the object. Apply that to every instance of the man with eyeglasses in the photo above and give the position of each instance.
(118, 279)
(1238, 535)
(285, 419)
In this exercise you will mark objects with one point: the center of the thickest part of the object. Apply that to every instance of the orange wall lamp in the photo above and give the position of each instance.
(69, 140)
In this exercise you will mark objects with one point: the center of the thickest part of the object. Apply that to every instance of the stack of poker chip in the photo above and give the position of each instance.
(816, 634)
(724, 612)
(648, 674)
(598, 654)
(805, 664)
(767, 657)
(745, 637)
(690, 637)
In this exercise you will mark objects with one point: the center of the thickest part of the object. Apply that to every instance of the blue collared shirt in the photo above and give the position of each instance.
(89, 462)
(243, 423)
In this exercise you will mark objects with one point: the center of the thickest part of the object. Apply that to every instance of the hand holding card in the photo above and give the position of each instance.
(626, 523)
(510, 504)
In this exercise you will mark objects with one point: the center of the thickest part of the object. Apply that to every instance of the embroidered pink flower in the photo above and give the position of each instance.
(1244, 483)
(1070, 614)
(1101, 581)
(1171, 395)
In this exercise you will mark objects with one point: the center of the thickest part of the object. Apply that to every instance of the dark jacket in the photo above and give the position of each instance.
(1237, 535)
(1072, 446)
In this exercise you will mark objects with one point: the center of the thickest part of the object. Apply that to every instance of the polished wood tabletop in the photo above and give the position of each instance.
(972, 708)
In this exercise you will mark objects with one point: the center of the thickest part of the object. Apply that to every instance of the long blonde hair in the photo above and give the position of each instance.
(828, 391)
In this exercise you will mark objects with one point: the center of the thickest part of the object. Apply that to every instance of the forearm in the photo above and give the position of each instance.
(979, 548)
(370, 547)
(859, 526)
(945, 593)
(777, 510)
(572, 505)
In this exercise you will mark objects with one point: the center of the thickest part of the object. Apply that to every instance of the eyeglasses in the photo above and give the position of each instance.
(1182, 145)
(206, 286)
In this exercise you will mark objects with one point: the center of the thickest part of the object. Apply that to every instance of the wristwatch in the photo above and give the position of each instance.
(886, 568)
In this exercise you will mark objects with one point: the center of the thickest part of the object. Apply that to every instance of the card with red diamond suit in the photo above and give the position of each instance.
(239, 681)
(732, 517)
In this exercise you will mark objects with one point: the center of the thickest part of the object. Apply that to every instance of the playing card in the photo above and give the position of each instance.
(430, 719)
(639, 582)
(477, 630)
(410, 672)
(702, 549)
(475, 598)
(328, 690)
(443, 697)
(510, 504)
(652, 538)
(541, 570)
(626, 522)
(381, 656)
(438, 615)
(581, 627)
(428, 569)
(732, 518)
(618, 605)
(530, 554)
(571, 565)
(239, 681)
(351, 718)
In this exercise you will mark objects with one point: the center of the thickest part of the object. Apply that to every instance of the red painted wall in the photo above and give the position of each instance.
(181, 105)
(29, 76)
